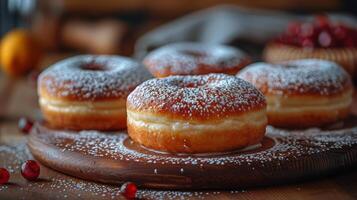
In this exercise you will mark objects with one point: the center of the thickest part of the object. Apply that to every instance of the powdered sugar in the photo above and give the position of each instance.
(186, 58)
(59, 186)
(205, 96)
(15, 163)
(289, 145)
(309, 76)
(113, 76)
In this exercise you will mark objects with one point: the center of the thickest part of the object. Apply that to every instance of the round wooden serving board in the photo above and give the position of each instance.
(283, 156)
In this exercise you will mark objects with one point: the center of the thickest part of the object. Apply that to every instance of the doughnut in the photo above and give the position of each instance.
(88, 92)
(196, 114)
(188, 58)
(302, 93)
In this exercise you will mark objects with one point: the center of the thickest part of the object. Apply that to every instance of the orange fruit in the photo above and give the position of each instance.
(19, 52)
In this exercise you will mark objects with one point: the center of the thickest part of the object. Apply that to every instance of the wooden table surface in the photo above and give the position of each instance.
(18, 98)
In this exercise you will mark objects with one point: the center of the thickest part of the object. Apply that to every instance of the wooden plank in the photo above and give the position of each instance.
(280, 159)
(53, 185)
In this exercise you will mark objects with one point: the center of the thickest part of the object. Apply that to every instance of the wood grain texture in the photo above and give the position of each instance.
(283, 156)
(54, 185)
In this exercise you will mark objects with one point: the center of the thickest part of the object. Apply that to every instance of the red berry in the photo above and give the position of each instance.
(4, 176)
(322, 33)
(340, 32)
(128, 190)
(30, 170)
(322, 21)
(25, 125)
(325, 39)
(307, 30)
(294, 28)
(349, 42)
(307, 43)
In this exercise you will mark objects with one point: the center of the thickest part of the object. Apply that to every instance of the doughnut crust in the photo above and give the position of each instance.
(89, 92)
(196, 114)
(302, 93)
(188, 58)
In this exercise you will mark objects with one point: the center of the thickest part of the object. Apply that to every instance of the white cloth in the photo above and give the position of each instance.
(224, 24)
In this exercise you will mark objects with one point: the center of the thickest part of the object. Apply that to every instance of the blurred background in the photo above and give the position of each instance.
(66, 27)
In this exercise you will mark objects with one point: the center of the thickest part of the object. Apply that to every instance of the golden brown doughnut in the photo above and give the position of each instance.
(302, 93)
(195, 114)
(188, 58)
(89, 92)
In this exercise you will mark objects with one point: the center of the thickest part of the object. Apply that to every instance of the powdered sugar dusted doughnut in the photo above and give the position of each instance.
(302, 93)
(206, 113)
(89, 92)
(194, 59)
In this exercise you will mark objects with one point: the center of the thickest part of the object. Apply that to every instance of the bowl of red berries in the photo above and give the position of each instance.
(321, 38)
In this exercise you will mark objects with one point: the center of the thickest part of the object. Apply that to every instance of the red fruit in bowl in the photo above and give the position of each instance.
(30, 170)
(307, 30)
(349, 42)
(340, 32)
(322, 33)
(4, 176)
(322, 21)
(308, 43)
(293, 28)
(325, 39)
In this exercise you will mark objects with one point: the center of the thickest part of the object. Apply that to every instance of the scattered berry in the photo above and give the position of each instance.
(4, 176)
(128, 190)
(25, 125)
(30, 170)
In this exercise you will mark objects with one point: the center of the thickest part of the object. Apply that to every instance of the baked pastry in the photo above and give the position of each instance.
(89, 92)
(188, 58)
(320, 39)
(302, 93)
(196, 114)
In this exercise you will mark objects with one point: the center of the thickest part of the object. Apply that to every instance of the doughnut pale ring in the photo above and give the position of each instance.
(195, 114)
(302, 93)
(89, 92)
(194, 59)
